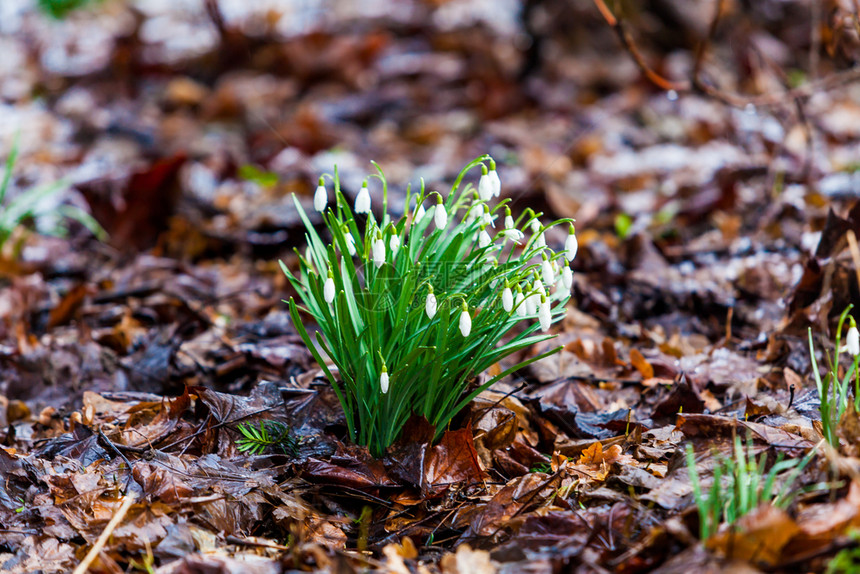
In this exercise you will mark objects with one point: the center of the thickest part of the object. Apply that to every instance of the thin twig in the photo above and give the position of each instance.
(703, 46)
(128, 500)
(114, 448)
(626, 39)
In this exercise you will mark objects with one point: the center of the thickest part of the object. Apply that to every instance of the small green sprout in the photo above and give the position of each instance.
(833, 393)
(32, 205)
(740, 484)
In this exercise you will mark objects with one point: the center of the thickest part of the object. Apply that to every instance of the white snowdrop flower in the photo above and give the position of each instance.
(513, 234)
(510, 231)
(535, 225)
(518, 303)
(471, 214)
(378, 251)
(440, 216)
(362, 200)
(320, 197)
(328, 288)
(507, 299)
(383, 380)
(546, 271)
(419, 213)
(485, 185)
(556, 269)
(570, 244)
(544, 314)
(350, 242)
(487, 219)
(465, 321)
(538, 286)
(394, 244)
(495, 182)
(484, 238)
(531, 304)
(476, 209)
(567, 277)
(430, 305)
(853, 341)
(540, 241)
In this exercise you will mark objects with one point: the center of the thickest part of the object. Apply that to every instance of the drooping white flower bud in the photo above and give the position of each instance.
(853, 341)
(513, 234)
(494, 179)
(531, 304)
(383, 380)
(328, 288)
(535, 225)
(430, 305)
(567, 277)
(484, 238)
(519, 304)
(540, 240)
(544, 314)
(509, 219)
(394, 244)
(510, 231)
(538, 286)
(378, 251)
(320, 196)
(546, 270)
(570, 244)
(487, 218)
(419, 213)
(465, 321)
(507, 299)
(362, 200)
(350, 241)
(440, 216)
(485, 186)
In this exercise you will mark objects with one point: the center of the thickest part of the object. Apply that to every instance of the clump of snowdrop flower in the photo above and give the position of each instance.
(411, 309)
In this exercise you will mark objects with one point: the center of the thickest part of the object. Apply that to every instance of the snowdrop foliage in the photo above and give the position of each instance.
(413, 310)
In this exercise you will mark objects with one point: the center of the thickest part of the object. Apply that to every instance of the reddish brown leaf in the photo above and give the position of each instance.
(453, 461)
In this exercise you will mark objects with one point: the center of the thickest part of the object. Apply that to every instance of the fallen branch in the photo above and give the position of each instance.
(697, 85)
